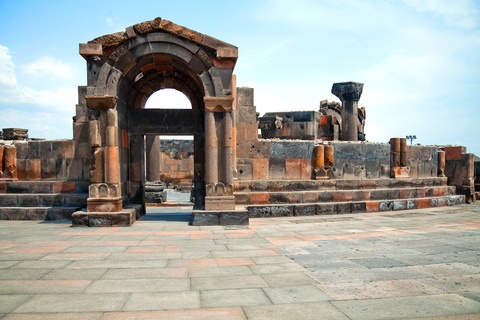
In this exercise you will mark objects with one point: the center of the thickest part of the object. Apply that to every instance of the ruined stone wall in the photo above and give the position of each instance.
(50, 160)
(422, 161)
(176, 162)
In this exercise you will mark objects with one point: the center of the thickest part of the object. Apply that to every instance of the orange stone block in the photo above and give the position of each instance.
(318, 156)
(342, 196)
(260, 168)
(438, 192)
(68, 149)
(329, 155)
(305, 169)
(112, 172)
(453, 153)
(323, 120)
(372, 206)
(34, 169)
(259, 198)
(422, 203)
(63, 187)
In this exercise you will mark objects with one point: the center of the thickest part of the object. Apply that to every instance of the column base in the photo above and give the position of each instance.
(399, 172)
(220, 203)
(104, 204)
(321, 173)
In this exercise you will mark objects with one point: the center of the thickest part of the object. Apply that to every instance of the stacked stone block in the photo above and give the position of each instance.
(8, 162)
(49, 160)
(177, 163)
(459, 168)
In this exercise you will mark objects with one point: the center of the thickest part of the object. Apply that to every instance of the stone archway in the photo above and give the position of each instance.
(123, 70)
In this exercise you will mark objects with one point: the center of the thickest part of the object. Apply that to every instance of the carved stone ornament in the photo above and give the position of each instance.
(218, 104)
(270, 126)
(348, 91)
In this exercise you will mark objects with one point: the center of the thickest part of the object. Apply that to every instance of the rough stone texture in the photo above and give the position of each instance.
(15, 134)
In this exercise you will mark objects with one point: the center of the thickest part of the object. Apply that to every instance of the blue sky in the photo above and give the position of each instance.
(419, 59)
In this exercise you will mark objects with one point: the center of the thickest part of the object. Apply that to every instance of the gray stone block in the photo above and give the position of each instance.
(48, 169)
(385, 206)
(22, 149)
(56, 149)
(280, 197)
(28, 200)
(304, 210)
(291, 150)
(34, 149)
(276, 169)
(399, 205)
(244, 169)
(45, 149)
(8, 200)
(343, 208)
(358, 207)
(259, 185)
(203, 218)
(325, 208)
(234, 218)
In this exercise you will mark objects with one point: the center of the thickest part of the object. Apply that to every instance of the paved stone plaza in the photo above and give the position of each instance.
(396, 265)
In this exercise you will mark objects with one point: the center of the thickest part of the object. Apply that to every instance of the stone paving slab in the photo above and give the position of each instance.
(394, 265)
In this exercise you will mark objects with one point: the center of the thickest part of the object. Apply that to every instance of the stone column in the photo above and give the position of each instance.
(441, 164)
(153, 157)
(349, 93)
(10, 162)
(322, 162)
(398, 158)
(104, 190)
(218, 154)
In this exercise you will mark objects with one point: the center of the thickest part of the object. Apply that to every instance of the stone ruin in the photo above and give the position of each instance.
(304, 163)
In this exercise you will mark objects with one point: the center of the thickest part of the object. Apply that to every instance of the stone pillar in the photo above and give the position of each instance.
(349, 93)
(104, 190)
(234, 127)
(218, 154)
(10, 162)
(398, 158)
(441, 164)
(153, 157)
(322, 162)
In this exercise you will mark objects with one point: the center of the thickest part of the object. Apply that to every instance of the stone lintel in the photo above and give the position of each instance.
(90, 49)
(101, 102)
(348, 91)
(218, 104)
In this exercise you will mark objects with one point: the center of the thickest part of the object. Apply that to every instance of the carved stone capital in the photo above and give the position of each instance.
(101, 102)
(103, 190)
(270, 126)
(218, 104)
(219, 189)
(348, 91)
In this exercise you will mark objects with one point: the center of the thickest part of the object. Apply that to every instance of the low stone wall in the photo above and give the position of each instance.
(49, 160)
(176, 162)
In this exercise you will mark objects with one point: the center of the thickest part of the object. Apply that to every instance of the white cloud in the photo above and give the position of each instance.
(7, 68)
(49, 66)
(459, 13)
(47, 112)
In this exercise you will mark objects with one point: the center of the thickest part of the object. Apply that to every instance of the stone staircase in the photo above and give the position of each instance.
(41, 200)
(314, 197)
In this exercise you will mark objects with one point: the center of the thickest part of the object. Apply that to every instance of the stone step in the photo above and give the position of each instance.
(335, 184)
(44, 187)
(282, 197)
(37, 213)
(297, 209)
(43, 200)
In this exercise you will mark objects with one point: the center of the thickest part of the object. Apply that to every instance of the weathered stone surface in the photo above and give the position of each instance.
(15, 134)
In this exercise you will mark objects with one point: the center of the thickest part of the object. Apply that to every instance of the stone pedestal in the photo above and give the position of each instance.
(349, 93)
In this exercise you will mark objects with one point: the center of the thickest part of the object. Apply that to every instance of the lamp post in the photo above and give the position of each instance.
(411, 138)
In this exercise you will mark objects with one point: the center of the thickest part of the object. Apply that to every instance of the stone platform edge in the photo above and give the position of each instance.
(124, 218)
(239, 216)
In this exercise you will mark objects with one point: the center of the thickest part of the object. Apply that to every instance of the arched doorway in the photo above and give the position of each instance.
(123, 70)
